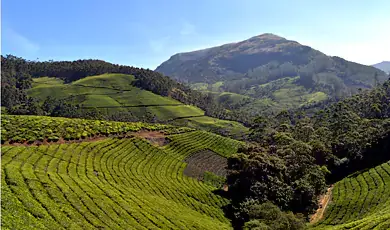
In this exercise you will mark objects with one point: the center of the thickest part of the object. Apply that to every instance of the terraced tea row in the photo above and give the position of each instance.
(38, 128)
(192, 142)
(110, 184)
(112, 93)
(360, 201)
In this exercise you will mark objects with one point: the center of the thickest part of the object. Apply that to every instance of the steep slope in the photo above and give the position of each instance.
(384, 66)
(272, 71)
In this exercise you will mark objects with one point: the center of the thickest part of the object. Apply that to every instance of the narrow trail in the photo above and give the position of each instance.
(323, 203)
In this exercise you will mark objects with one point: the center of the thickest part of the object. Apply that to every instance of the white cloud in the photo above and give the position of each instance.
(187, 29)
(16, 42)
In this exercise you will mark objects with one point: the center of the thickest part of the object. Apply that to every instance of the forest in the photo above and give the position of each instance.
(291, 158)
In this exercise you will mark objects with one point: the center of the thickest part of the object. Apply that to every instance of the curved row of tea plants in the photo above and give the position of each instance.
(360, 201)
(110, 184)
(31, 128)
(192, 142)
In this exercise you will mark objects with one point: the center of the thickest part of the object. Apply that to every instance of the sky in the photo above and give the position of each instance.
(146, 33)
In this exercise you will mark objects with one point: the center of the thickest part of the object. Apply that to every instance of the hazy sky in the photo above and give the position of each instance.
(145, 33)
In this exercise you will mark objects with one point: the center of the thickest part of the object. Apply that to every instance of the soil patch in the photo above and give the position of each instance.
(154, 137)
(323, 203)
(205, 160)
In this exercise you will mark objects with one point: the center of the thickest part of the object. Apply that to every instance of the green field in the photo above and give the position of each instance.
(111, 184)
(116, 87)
(111, 93)
(360, 201)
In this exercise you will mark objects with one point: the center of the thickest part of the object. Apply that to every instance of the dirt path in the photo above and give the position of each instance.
(323, 203)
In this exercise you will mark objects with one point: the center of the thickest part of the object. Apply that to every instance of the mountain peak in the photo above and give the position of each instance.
(269, 36)
(384, 66)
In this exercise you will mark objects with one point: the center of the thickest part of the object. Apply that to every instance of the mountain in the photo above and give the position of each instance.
(384, 66)
(273, 72)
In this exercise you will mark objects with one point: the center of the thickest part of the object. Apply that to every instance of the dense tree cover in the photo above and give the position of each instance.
(292, 157)
(268, 216)
(15, 79)
(17, 74)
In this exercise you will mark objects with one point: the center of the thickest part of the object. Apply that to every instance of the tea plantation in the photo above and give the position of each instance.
(360, 201)
(110, 183)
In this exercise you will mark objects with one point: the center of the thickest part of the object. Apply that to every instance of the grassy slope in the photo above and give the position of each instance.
(111, 183)
(360, 201)
(114, 92)
(285, 95)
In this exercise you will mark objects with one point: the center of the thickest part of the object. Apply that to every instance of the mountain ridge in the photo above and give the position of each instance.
(272, 69)
(384, 66)
(266, 43)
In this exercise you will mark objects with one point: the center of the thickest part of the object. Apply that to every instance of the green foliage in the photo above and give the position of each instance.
(192, 142)
(296, 156)
(213, 180)
(112, 184)
(268, 216)
(110, 93)
(112, 97)
(31, 128)
(127, 94)
(360, 201)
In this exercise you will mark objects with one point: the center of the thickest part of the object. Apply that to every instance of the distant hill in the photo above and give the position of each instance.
(384, 66)
(114, 94)
(272, 71)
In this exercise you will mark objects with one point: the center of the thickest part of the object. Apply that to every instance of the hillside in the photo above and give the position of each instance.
(111, 93)
(76, 173)
(384, 66)
(96, 89)
(360, 201)
(110, 182)
(275, 73)
(114, 94)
